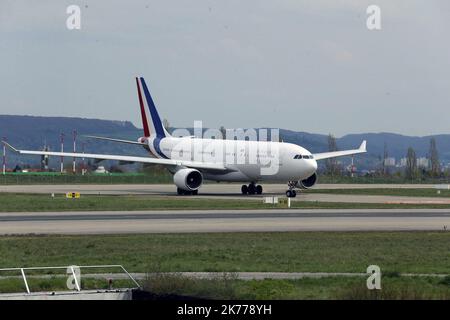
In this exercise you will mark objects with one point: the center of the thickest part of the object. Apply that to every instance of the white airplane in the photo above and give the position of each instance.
(192, 160)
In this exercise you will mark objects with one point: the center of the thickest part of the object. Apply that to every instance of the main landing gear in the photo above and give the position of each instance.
(291, 193)
(182, 192)
(252, 188)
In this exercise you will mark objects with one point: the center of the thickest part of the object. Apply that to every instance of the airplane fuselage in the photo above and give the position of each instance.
(245, 160)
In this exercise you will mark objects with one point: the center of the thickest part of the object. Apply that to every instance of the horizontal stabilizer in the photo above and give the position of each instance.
(115, 140)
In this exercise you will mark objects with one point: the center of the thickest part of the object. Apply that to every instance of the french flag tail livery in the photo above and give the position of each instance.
(150, 118)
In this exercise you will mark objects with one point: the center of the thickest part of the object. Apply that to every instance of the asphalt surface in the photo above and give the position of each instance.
(232, 191)
(176, 221)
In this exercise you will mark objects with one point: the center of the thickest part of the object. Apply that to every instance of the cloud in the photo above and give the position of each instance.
(310, 61)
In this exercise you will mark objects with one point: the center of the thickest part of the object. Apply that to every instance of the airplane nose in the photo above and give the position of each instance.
(312, 164)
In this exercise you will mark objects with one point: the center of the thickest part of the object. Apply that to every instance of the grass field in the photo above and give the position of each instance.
(394, 252)
(387, 192)
(404, 252)
(226, 286)
(10, 202)
(57, 178)
(393, 287)
(40, 202)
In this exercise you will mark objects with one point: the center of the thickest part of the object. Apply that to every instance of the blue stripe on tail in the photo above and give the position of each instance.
(153, 112)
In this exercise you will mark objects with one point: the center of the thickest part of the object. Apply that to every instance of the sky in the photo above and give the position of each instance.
(302, 65)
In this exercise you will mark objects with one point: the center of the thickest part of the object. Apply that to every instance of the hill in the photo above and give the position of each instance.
(32, 132)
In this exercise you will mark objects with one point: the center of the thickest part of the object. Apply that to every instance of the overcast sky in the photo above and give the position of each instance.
(301, 65)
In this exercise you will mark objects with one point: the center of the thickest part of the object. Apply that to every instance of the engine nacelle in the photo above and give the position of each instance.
(188, 179)
(308, 182)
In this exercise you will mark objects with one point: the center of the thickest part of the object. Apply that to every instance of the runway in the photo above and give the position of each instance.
(232, 191)
(275, 220)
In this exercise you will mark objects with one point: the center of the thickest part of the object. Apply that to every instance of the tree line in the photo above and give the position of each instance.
(411, 171)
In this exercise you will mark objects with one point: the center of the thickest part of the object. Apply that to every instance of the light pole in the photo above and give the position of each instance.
(4, 157)
(74, 150)
(83, 164)
(62, 150)
(352, 168)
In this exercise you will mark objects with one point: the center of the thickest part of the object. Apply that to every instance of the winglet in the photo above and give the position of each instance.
(362, 147)
(10, 146)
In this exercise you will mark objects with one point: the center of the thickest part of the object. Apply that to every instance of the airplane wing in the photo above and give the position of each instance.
(116, 140)
(326, 155)
(167, 162)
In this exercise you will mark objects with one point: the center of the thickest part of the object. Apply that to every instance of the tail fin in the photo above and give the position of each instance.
(150, 117)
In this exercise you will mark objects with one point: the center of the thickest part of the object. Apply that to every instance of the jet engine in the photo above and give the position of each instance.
(308, 182)
(188, 179)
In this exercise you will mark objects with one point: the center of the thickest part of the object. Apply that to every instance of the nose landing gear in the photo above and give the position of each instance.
(291, 193)
(252, 188)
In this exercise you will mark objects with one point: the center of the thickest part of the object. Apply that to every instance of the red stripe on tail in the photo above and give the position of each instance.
(144, 117)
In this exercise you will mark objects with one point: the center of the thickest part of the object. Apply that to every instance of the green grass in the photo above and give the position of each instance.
(11, 202)
(57, 178)
(226, 286)
(345, 288)
(386, 192)
(394, 252)
(404, 252)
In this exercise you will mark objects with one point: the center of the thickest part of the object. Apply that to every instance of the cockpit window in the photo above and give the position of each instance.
(299, 156)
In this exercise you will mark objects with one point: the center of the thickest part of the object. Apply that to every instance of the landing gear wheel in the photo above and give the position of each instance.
(259, 189)
(251, 188)
(182, 192)
(291, 193)
(244, 189)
